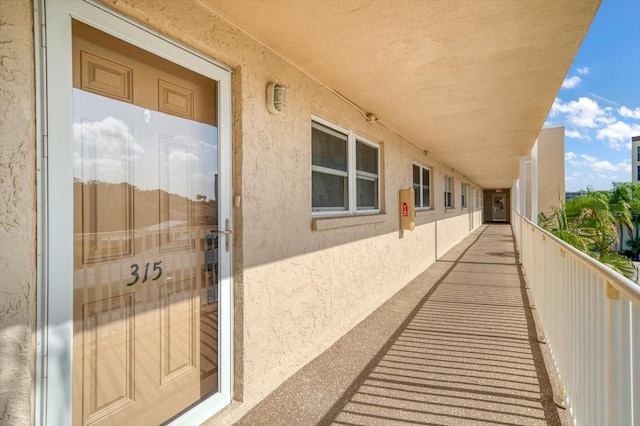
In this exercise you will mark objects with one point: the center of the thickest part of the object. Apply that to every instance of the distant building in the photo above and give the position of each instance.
(635, 159)
(574, 194)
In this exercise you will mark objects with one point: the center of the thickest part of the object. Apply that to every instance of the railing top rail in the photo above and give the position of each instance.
(620, 282)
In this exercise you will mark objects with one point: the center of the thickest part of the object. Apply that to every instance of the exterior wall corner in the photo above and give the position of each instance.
(18, 212)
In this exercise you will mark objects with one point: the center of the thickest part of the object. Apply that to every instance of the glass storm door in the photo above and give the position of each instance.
(498, 208)
(145, 243)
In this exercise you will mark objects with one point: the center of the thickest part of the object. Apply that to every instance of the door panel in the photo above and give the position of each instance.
(108, 356)
(178, 346)
(145, 224)
(111, 67)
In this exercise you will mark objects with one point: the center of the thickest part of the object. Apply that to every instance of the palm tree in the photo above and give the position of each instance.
(620, 199)
(588, 224)
(634, 248)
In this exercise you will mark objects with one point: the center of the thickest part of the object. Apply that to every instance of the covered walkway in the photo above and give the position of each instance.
(458, 345)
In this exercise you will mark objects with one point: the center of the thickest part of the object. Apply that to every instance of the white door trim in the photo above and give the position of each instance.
(55, 322)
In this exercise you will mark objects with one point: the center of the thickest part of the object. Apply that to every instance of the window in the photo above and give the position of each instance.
(638, 148)
(477, 198)
(421, 185)
(463, 195)
(638, 173)
(366, 175)
(344, 171)
(448, 192)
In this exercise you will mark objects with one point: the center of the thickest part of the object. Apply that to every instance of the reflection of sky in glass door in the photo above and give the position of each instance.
(117, 142)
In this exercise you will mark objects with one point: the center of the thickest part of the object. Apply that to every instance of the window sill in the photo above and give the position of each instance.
(324, 223)
(423, 212)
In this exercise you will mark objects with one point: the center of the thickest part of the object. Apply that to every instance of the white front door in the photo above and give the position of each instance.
(139, 243)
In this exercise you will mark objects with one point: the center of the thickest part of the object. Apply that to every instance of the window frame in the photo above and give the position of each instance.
(352, 174)
(421, 186)
(464, 195)
(449, 183)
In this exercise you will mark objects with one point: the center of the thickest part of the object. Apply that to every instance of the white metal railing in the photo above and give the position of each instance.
(591, 320)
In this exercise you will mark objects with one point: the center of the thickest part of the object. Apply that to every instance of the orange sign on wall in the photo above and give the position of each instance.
(407, 210)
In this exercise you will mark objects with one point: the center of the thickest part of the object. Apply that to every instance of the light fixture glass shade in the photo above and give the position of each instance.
(276, 97)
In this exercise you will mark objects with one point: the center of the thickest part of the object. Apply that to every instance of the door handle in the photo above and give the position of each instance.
(227, 232)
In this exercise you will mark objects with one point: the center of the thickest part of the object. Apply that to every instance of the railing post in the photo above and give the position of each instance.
(613, 330)
(626, 362)
(601, 359)
(635, 362)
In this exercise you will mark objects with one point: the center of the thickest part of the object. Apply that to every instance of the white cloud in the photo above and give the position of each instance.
(182, 156)
(596, 165)
(575, 134)
(586, 119)
(583, 113)
(583, 70)
(618, 134)
(609, 119)
(595, 118)
(630, 113)
(571, 82)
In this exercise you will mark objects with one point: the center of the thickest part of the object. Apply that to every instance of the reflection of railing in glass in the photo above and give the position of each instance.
(210, 266)
(105, 216)
(145, 246)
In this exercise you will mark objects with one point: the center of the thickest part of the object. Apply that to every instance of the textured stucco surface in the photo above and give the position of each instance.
(17, 211)
(299, 290)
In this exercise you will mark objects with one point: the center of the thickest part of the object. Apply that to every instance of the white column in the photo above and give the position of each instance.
(523, 186)
(534, 183)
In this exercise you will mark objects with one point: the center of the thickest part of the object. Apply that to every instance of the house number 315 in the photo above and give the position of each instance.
(135, 272)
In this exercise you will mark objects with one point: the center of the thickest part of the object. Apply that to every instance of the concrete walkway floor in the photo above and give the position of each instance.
(456, 346)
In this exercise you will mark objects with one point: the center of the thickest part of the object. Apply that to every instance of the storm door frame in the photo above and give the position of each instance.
(54, 339)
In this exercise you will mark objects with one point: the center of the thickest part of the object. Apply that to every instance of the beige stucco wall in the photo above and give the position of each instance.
(550, 157)
(17, 211)
(450, 232)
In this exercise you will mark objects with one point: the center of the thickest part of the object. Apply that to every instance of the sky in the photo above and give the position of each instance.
(599, 102)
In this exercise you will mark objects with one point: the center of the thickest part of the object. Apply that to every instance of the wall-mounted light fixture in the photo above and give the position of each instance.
(276, 97)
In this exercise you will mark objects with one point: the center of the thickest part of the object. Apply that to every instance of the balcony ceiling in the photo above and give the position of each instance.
(469, 81)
